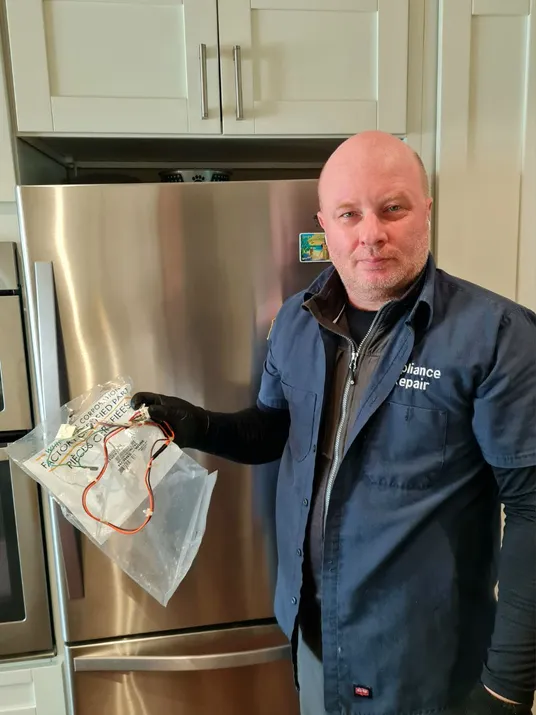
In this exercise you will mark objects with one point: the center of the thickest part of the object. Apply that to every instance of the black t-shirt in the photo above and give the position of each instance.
(359, 322)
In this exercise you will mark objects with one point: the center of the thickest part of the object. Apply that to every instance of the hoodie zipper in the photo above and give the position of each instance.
(355, 352)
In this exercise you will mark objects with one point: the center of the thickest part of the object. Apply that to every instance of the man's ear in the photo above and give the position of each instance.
(321, 220)
(429, 203)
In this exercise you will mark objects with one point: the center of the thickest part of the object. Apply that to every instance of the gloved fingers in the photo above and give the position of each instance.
(161, 413)
(145, 398)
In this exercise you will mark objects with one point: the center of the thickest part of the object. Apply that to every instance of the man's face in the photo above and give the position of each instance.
(375, 215)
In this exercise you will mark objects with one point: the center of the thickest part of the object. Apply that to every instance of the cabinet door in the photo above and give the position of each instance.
(486, 159)
(313, 66)
(115, 66)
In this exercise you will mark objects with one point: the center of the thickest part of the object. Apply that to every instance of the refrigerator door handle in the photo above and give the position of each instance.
(213, 661)
(63, 532)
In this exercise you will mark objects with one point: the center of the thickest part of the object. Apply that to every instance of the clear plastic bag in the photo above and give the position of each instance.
(66, 455)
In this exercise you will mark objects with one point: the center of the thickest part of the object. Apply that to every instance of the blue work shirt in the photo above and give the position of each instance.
(412, 533)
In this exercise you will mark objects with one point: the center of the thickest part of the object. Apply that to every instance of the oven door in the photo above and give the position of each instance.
(25, 627)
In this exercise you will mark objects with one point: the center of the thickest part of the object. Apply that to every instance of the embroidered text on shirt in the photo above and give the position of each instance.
(417, 372)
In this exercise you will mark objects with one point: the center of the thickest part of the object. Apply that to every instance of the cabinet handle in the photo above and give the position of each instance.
(237, 57)
(203, 70)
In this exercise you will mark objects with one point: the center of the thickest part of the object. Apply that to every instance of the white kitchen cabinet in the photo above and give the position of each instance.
(115, 66)
(288, 67)
(34, 688)
(313, 66)
(486, 144)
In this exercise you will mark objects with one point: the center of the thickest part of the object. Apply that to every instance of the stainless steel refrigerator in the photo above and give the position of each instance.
(176, 286)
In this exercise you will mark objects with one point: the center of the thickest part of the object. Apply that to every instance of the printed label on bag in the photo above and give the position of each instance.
(69, 464)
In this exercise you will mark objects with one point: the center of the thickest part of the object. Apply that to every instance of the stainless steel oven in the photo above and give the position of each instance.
(25, 627)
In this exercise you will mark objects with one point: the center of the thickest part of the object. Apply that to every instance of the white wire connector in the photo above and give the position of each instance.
(148, 512)
(66, 431)
(142, 414)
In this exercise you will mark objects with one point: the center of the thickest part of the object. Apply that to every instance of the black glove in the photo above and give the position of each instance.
(188, 422)
(482, 702)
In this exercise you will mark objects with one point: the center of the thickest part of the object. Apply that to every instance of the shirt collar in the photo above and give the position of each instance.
(425, 300)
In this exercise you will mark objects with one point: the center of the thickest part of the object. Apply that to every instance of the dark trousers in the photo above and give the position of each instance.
(310, 680)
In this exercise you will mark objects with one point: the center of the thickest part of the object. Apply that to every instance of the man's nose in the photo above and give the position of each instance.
(371, 231)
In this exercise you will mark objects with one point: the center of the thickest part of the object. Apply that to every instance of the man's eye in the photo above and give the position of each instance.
(394, 208)
(348, 214)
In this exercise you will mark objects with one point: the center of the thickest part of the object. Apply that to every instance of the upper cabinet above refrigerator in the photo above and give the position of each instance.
(287, 67)
(313, 66)
(128, 67)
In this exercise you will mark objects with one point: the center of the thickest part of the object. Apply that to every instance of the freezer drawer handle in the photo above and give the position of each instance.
(49, 400)
(237, 659)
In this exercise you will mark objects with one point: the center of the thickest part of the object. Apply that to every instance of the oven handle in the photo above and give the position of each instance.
(50, 401)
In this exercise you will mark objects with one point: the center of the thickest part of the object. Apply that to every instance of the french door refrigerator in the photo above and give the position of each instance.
(175, 285)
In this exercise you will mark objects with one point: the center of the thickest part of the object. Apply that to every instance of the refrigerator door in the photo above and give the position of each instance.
(175, 286)
(230, 671)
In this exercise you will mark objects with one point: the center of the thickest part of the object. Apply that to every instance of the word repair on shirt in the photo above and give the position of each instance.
(421, 377)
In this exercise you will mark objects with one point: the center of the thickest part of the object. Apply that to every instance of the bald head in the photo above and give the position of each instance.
(374, 148)
(375, 210)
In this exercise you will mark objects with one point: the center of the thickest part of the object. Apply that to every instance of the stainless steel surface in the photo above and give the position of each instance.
(50, 402)
(237, 58)
(207, 650)
(32, 634)
(175, 285)
(203, 71)
(234, 659)
(248, 672)
(58, 590)
(14, 389)
(8, 267)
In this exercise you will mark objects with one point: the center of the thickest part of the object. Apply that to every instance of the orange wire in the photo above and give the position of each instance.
(169, 437)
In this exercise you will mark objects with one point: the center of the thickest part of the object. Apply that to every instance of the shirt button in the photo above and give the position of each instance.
(299, 552)
(305, 502)
(294, 600)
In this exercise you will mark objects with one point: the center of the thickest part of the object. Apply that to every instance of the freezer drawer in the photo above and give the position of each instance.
(230, 672)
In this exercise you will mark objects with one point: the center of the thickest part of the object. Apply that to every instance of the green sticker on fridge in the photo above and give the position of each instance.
(313, 248)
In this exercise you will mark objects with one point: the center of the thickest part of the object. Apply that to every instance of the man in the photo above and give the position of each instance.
(402, 404)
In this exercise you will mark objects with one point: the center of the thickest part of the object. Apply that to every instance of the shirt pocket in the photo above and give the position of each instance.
(301, 405)
(405, 446)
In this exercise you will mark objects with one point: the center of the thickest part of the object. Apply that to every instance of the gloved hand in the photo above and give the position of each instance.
(482, 702)
(188, 422)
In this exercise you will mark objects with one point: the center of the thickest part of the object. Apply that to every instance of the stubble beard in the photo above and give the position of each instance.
(390, 287)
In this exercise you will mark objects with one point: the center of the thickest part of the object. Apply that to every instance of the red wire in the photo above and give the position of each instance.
(168, 439)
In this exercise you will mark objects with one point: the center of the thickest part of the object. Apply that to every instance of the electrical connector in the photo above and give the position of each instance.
(141, 415)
